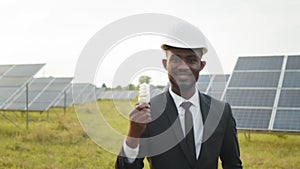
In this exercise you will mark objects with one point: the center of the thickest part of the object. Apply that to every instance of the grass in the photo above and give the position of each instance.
(60, 142)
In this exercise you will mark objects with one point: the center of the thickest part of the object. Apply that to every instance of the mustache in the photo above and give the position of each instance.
(188, 73)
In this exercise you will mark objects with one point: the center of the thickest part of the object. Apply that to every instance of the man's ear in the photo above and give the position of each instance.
(164, 62)
(202, 64)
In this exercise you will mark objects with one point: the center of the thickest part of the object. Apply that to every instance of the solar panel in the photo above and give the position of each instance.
(13, 79)
(6, 92)
(204, 78)
(107, 95)
(265, 93)
(61, 100)
(125, 95)
(77, 89)
(47, 96)
(220, 78)
(257, 119)
(289, 98)
(54, 90)
(217, 87)
(118, 95)
(39, 84)
(202, 86)
(293, 63)
(4, 69)
(213, 84)
(128, 95)
(22, 96)
(38, 107)
(24, 70)
(216, 95)
(42, 93)
(83, 93)
(254, 79)
(287, 120)
(291, 79)
(251, 97)
(287, 116)
(259, 63)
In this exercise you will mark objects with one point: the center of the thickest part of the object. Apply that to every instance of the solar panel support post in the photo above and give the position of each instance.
(65, 102)
(27, 113)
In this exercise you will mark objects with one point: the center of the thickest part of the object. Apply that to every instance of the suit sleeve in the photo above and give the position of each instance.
(230, 153)
(122, 161)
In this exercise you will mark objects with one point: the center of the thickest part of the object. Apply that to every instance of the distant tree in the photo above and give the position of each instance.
(104, 85)
(144, 79)
(118, 87)
(131, 87)
(160, 86)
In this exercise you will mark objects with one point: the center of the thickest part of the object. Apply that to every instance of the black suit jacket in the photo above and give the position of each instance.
(219, 138)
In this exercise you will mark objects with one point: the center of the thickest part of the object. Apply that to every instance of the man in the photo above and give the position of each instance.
(202, 128)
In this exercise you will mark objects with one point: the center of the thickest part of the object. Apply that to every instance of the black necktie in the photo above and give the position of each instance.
(189, 131)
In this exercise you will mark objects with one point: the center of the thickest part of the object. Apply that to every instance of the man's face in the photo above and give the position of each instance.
(183, 66)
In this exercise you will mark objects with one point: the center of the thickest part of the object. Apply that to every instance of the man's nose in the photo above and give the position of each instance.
(182, 65)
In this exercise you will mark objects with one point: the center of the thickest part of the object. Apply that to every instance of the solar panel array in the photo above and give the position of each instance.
(13, 78)
(83, 93)
(264, 93)
(42, 94)
(118, 95)
(79, 93)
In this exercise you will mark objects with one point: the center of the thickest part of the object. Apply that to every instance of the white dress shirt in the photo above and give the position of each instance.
(197, 117)
(197, 121)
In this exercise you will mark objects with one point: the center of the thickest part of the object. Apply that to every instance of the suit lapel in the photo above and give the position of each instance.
(204, 106)
(212, 111)
(172, 114)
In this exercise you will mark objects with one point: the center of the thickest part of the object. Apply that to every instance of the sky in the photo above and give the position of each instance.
(55, 32)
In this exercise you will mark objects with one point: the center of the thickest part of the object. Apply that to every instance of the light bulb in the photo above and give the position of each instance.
(144, 93)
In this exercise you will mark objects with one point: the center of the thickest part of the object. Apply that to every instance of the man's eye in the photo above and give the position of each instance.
(191, 60)
(175, 59)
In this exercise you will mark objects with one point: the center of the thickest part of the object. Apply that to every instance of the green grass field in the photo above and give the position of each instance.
(60, 142)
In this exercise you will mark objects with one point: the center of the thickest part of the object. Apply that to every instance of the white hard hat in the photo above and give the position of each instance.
(185, 35)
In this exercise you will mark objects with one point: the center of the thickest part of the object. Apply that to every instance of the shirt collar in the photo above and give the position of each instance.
(178, 99)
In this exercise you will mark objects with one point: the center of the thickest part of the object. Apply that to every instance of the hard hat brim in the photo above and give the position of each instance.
(166, 47)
